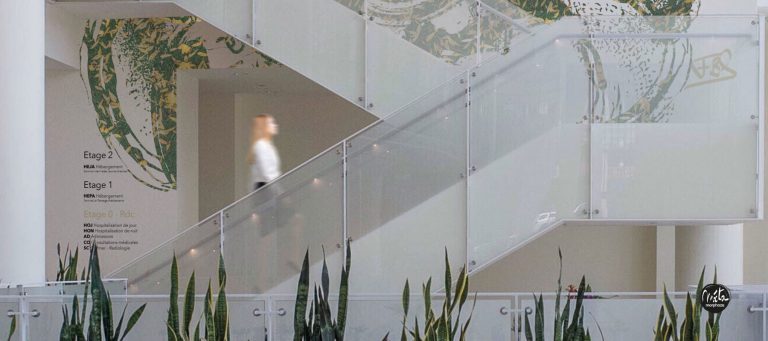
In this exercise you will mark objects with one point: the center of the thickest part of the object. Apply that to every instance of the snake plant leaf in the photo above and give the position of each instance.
(671, 313)
(221, 312)
(564, 320)
(302, 294)
(528, 333)
(222, 271)
(189, 305)
(13, 327)
(406, 302)
(538, 322)
(406, 297)
(173, 300)
(687, 328)
(210, 326)
(578, 308)
(97, 293)
(325, 279)
(171, 334)
(660, 322)
(442, 331)
(221, 315)
(448, 279)
(341, 311)
(462, 288)
(107, 319)
(579, 327)
(427, 292)
(72, 267)
(133, 320)
(465, 327)
(711, 315)
(327, 332)
(65, 334)
(85, 294)
(197, 331)
(558, 336)
(697, 306)
(318, 312)
(116, 334)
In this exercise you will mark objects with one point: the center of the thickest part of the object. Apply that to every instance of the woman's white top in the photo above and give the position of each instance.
(266, 162)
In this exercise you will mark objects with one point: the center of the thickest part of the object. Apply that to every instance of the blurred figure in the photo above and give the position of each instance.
(262, 156)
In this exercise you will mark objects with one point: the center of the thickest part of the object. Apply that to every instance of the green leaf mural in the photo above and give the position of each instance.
(143, 55)
(154, 49)
(448, 30)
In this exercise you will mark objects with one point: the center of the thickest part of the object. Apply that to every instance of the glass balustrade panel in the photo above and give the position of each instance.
(413, 47)
(196, 249)
(529, 148)
(267, 233)
(406, 194)
(322, 40)
(675, 117)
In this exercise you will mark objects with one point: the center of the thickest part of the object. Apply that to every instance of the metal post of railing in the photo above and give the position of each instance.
(761, 122)
(22, 316)
(468, 166)
(478, 33)
(253, 22)
(221, 232)
(268, 320)
(344, 185)
(590, 121)
(517, 318)
(365, 98)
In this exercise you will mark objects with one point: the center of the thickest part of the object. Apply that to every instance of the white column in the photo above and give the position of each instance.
(665, 257)
(710, 245)
(22, 141)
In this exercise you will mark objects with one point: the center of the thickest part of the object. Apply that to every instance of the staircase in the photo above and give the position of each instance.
(489, 137)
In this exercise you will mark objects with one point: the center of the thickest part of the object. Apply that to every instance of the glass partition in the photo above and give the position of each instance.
(614, 118)
(267, 233)
(675, 119)
(529, 149)
(412, 47)
(244, 324)
(196, 249)
(498, 316)
(406, 194)
(373, 317)
(323, 40)
(634, 316)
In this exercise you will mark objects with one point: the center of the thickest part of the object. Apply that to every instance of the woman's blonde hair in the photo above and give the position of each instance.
(259, 127)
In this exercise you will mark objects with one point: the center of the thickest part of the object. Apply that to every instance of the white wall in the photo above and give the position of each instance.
(63, 34)
(308, 125)
(187, 149)
(613, 258)
(216, 141)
